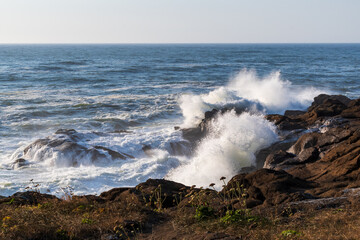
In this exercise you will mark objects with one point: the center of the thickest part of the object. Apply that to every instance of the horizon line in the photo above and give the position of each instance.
(173, 43)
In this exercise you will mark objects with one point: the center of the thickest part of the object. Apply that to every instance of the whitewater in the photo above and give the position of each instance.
(134, 100)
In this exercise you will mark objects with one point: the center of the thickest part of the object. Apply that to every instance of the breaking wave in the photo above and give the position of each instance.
(233, 139)
(231, 145)
(270, 94)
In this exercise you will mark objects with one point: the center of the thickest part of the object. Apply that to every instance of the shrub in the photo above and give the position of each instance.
(204, 212)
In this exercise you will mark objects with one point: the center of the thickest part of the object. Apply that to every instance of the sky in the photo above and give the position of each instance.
(179, 21)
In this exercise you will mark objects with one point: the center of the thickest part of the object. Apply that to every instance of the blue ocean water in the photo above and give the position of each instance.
(124, 97)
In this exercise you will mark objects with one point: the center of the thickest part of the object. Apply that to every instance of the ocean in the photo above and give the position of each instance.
(130, 97)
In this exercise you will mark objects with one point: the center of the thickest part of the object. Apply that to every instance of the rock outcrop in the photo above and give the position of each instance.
(327, 153)
(318, 157)
(65, 148)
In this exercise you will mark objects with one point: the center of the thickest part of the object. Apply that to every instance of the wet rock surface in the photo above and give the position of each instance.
(66, 148)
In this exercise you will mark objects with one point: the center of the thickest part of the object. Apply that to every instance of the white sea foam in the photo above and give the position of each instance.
(231, 145)
(234, 139)
(247, 91)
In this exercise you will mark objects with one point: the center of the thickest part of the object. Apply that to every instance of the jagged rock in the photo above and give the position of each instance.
(286, 123)
(270, 187)
(353, 111)
(308, 155)
(306, 141)
(292, 113)
(263, 154)
(322, 98)
(274, 160)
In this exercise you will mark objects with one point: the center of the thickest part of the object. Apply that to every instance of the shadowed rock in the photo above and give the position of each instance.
(270, 187)
(29, 197)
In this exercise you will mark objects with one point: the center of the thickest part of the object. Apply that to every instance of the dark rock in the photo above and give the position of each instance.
(149, 192)
(270, 187)
(353, 111)
(306, 141)
(273, 160)
(286, 123)
(328, 108)
(181, 148)
(29, 197)
(65, 142)
(89, 198)
(18, 163)
(323, 98)
(308, 155)
(194, 135)
(66, 131)
(114, 154)
(292, 113)
(113, 194)
(262, 155)
(167, 190)
(146, 148)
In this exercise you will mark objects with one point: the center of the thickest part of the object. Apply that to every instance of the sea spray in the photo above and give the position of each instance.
(231, 145)
(234, 139)
(246, 91)
(273, 92)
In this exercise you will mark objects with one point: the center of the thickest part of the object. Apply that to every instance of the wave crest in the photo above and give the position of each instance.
(270, 94)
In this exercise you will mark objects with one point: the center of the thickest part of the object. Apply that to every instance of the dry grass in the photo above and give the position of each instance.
(85, 219)
(74, 219)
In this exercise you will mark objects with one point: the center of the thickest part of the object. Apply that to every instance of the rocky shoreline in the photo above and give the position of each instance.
(315, 165)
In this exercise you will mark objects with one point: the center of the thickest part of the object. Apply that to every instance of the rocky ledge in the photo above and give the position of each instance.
(318, 155)
(315, 165)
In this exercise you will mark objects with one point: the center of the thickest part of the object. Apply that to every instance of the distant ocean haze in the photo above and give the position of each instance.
(127, 98)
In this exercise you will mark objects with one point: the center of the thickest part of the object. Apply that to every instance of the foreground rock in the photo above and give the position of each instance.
(318, 155)
(327, 153)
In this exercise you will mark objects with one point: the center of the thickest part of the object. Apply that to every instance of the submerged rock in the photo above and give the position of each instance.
(65, 148)
(19, 163)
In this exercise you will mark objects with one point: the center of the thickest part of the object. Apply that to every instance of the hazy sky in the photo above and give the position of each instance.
(179, 21)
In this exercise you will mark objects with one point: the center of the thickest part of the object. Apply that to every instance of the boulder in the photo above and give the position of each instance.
(286, 123)
(152, 192)
(277, 159)
(66, 149)
(19, 163)
(29, 197)
(270, 187)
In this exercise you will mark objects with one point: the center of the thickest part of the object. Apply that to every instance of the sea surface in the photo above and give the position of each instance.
(128, 98)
